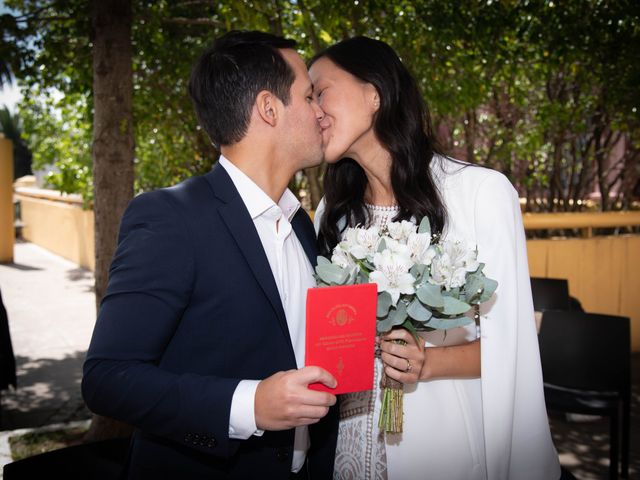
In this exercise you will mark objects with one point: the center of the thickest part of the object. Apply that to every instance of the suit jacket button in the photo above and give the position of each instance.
(212, 443)
(187, 438)
(282, 454)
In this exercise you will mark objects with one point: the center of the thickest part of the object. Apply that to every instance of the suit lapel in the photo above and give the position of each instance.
(235, 215)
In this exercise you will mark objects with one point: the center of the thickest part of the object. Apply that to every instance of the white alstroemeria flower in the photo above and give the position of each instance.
(442, 271)
(400, 230)
(350, 243)
(362, 241)
(342, 258)
(349, 238)
(462, 256)
(451, 266)
(392, 274)
(397, 247)
(420, 248)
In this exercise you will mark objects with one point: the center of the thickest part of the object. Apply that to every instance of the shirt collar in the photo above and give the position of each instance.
(255, 199)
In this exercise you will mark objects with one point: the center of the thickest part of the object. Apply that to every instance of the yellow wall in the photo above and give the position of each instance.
(603, 273)
(58, 224)
(7, 231)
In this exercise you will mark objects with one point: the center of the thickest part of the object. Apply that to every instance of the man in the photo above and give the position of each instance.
(199, 342)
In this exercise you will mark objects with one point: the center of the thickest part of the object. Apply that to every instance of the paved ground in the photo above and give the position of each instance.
(50, 304)
(51, 310)
(584, 445)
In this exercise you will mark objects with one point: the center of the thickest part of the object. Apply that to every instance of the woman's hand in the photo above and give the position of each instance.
(402, 362)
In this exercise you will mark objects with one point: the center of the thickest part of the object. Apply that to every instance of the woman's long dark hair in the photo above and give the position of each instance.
(403, 126)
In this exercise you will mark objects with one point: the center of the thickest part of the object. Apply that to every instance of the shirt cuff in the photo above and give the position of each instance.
(242, 418)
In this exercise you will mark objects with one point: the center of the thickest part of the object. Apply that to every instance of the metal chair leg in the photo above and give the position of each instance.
(626, 422)
(614, 442)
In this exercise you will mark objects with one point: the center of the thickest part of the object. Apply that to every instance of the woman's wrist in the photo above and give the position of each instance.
(426, 371)
(454, 361)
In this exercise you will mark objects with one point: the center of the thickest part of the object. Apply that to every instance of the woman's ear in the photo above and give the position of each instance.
(267, 107)
(374, 97)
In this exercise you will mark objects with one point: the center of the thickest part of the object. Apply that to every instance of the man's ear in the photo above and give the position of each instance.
(267, 105)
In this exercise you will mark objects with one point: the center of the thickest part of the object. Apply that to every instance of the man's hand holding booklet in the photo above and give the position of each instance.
(341, 329)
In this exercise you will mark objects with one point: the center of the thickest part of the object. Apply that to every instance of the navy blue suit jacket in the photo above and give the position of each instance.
(191, 309)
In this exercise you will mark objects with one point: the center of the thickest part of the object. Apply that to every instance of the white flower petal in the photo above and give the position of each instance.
(406, 284)
(358, 251)
(378, 278)
(458, 278)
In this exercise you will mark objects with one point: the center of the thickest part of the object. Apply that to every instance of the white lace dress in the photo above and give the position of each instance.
(360, 453)
(494, 427)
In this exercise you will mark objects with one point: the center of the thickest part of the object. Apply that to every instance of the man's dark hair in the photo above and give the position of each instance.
(229, 75)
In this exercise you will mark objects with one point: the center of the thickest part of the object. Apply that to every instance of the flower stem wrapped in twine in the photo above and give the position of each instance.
(391, 411)
(391, 416)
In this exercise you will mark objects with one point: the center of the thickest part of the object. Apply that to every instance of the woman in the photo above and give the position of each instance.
(473, 404)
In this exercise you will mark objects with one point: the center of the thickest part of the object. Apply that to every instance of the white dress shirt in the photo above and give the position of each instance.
(293, 275)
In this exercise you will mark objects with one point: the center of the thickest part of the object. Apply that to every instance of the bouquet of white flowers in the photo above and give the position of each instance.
(423, 284)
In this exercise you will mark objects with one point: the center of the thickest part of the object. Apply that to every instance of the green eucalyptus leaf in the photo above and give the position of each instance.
(323, 260)
(430, 295)
(418, 271)
(352, 276)
(453, 292)
(418, 311)
(384, 303)
(369, 266)
(425, 226)
(397, 316)
(365, 265)
(400, 313)
(332, 274)
(362, 277)
(384, 324)
(474, 287)
(453, 306)
(490, 286)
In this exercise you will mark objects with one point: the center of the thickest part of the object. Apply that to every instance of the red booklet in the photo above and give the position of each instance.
(341, 329)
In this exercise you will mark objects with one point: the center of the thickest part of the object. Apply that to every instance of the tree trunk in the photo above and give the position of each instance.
(600, 163)
(113, 147)
(112, 127)
(314, 184)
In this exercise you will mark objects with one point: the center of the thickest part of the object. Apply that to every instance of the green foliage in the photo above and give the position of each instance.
(541, 90)
(60, 136)
(331, 274)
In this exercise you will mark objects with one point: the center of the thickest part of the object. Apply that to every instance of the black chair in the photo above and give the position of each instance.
(586, 367)
(103, 460)
(550, 294)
